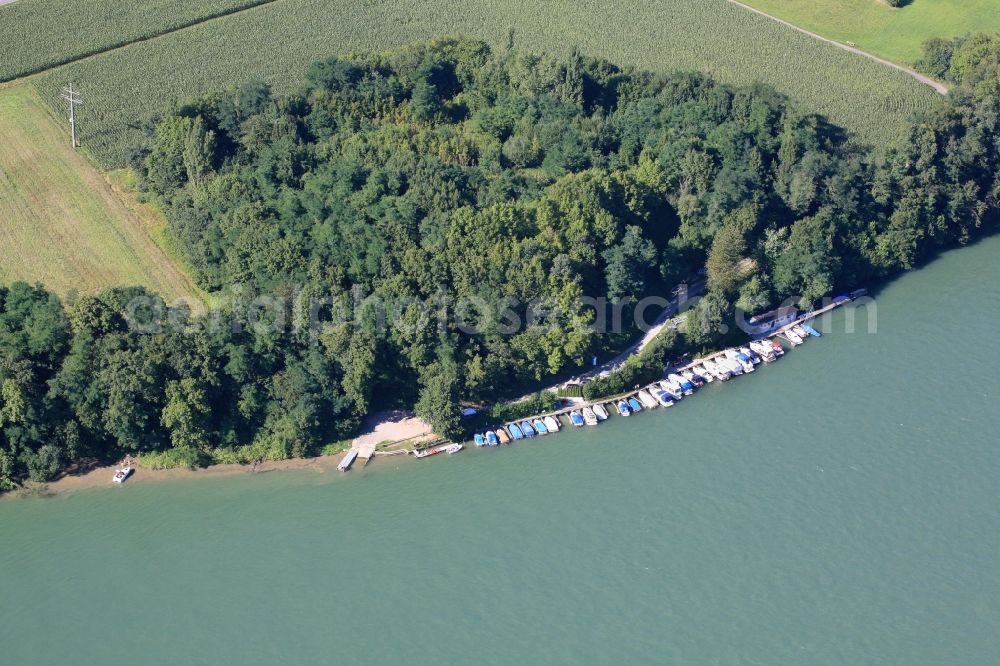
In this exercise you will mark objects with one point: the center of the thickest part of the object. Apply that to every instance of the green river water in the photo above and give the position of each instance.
(839, 506)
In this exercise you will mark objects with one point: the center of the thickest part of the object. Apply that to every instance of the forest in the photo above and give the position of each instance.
(487, 175)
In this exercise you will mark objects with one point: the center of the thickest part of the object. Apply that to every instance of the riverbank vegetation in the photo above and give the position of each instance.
(491, 177)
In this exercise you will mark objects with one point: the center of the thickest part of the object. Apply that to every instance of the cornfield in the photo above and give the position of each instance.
(38, 34)
(276, 41)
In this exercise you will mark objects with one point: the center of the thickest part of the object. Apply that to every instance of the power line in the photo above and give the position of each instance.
(73, 97)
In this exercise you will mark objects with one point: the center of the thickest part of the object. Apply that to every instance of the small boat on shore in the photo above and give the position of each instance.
(663, 397)
(540, 427)
(515, 431)
(702, 371)
(455, 448)
(686, 386)
(647, 400)
(527, 429)
(589, 417)
(551, 424)
(600, 413)
(479, 439)
(122, 474)
(810, 330)
(503, 436)
(576, 418)
(634, 405)
(491, 439)
(622, 408)
(345, 462)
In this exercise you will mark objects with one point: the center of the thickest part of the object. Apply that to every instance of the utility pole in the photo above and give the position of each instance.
(73, 97)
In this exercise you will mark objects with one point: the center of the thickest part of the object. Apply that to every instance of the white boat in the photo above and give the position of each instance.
(729, 364)
(683, 384)
(672, 389)
(454, 448)
(734, 355)
(801, 332)
(764, 350)
(720, 372)
(693, 377)
(647, 400)
(122, 474)
(751, 354)
(600, 413)
(793, 337)
(589, 417)
(703, 371)
(551, 423)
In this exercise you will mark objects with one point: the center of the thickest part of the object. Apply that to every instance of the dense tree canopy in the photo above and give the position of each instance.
(447, 172)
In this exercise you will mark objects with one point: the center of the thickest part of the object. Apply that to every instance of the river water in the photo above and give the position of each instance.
(839, 506)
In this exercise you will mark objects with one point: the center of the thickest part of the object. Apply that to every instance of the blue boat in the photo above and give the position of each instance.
(540, 427)
(527, 429)
(479, 440)
(622, 408)
(491, 438)
(576, 418)
(515, 432)
(811, 331)
(634, 405)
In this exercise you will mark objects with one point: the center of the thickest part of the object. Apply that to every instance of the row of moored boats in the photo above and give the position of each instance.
(722, 367)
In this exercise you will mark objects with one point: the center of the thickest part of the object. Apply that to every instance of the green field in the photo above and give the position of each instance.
(37, 34)
(893, 33)
(61, 223)
(125, 87)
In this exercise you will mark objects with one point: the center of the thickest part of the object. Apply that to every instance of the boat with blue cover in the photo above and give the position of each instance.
(811, 331)
(479, 439)
(515, 431)
(540, 427)
(662, 397)
(634, 404)
(622, 407)
(686, 386)
(751, 354)
(576, 418)
(693, 377)
(673, 388)
(527, 429)
(491, 438)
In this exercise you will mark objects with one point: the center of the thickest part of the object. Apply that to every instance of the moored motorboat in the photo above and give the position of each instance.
(742, 359)
(686, 386)
(503, 436)
(527, 429)
(801, 332)
(732, 365)
(433, 451)
(634, 404)
(589, 417)
(479, 439)
(122, 474)
(672, 389)
(693, 377)
(662, 397)
(600, 413)
(622, 407)
(515, 431)
(704, 373)
(751, 354)
(551, 424)
(576, 418)
(810, 330)
(718, 370)
(647, 400)
(793, 337)
(455, 448)
(776, 346)
(491, 438)
(540, 427)
(764, 350)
